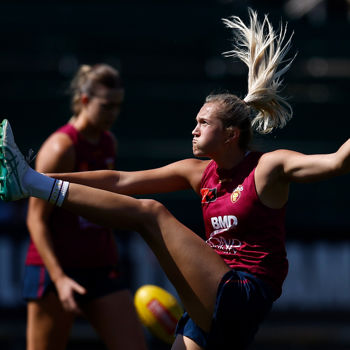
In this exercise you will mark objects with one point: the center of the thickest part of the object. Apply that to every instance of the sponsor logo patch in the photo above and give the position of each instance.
(208, 195)
(236, 194)
(223, 222)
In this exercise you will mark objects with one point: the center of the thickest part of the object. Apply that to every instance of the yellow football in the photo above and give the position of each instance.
(158, 310)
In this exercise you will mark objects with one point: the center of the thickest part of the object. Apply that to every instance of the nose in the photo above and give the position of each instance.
(195, 131)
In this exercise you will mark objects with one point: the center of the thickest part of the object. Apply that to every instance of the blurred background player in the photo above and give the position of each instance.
(72, 264)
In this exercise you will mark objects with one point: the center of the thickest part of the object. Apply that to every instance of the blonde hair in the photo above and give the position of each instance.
(88, 78)
(262, 49)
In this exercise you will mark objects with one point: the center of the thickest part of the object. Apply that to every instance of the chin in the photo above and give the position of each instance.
(197, 153)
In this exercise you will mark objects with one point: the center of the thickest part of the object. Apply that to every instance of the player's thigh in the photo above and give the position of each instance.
(183, 343)
(114, 318)
(48, 324)
(193, 267)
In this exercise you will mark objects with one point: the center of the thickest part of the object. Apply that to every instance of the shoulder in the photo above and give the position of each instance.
(275, 158)
(271, 165)
(56, 154)
(67, 129)
(57, 143)
(193, 169)
(271, 184)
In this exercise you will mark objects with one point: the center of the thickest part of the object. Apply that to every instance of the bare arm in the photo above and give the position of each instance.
(298, 167)
(176, 176)
(56, 154)
(309, 168)
(276, 170)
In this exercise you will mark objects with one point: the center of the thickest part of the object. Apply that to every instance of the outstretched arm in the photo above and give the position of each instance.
(276, 170)
(176, 176)
(298, 167)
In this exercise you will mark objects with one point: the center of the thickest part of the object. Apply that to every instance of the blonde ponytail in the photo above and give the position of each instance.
(263, 50)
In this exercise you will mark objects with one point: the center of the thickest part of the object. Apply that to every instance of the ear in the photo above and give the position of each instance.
(232, 135)
(84, 99)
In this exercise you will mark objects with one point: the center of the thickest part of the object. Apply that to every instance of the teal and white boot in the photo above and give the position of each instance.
(13, 166)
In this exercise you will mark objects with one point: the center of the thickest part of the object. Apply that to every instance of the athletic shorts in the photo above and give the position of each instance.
(98, 281)
(242, 303)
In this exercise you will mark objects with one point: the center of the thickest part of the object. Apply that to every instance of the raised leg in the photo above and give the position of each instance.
(191, 265)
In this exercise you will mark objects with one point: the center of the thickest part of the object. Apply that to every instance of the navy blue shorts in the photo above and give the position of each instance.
(243, 301)
(98, 281)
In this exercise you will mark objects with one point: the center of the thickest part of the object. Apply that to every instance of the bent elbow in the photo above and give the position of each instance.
(339, 166)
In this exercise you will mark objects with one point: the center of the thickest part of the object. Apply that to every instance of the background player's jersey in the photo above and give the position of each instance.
(78, 242)
(248, 235)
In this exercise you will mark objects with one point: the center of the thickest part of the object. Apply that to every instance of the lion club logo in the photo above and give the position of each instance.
(236, 194)
(208, 195)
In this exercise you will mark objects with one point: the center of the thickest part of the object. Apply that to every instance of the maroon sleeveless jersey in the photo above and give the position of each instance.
(78, 242)
(248, 235)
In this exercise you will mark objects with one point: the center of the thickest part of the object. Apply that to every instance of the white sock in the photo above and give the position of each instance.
(45, 187)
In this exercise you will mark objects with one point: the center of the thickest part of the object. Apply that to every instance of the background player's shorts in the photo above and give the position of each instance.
(98, 281)
(242, 303)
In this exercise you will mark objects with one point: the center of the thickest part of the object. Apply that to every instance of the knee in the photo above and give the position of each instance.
(152, 212)
(152, 208)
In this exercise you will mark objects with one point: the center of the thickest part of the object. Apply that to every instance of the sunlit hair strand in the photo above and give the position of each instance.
(263, 50)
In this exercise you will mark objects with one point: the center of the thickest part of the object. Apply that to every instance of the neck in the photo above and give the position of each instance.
(90, 132)
(230, 159)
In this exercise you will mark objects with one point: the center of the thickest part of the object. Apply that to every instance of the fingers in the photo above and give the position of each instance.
(70, 305)
(78, 288)
(66, 288)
